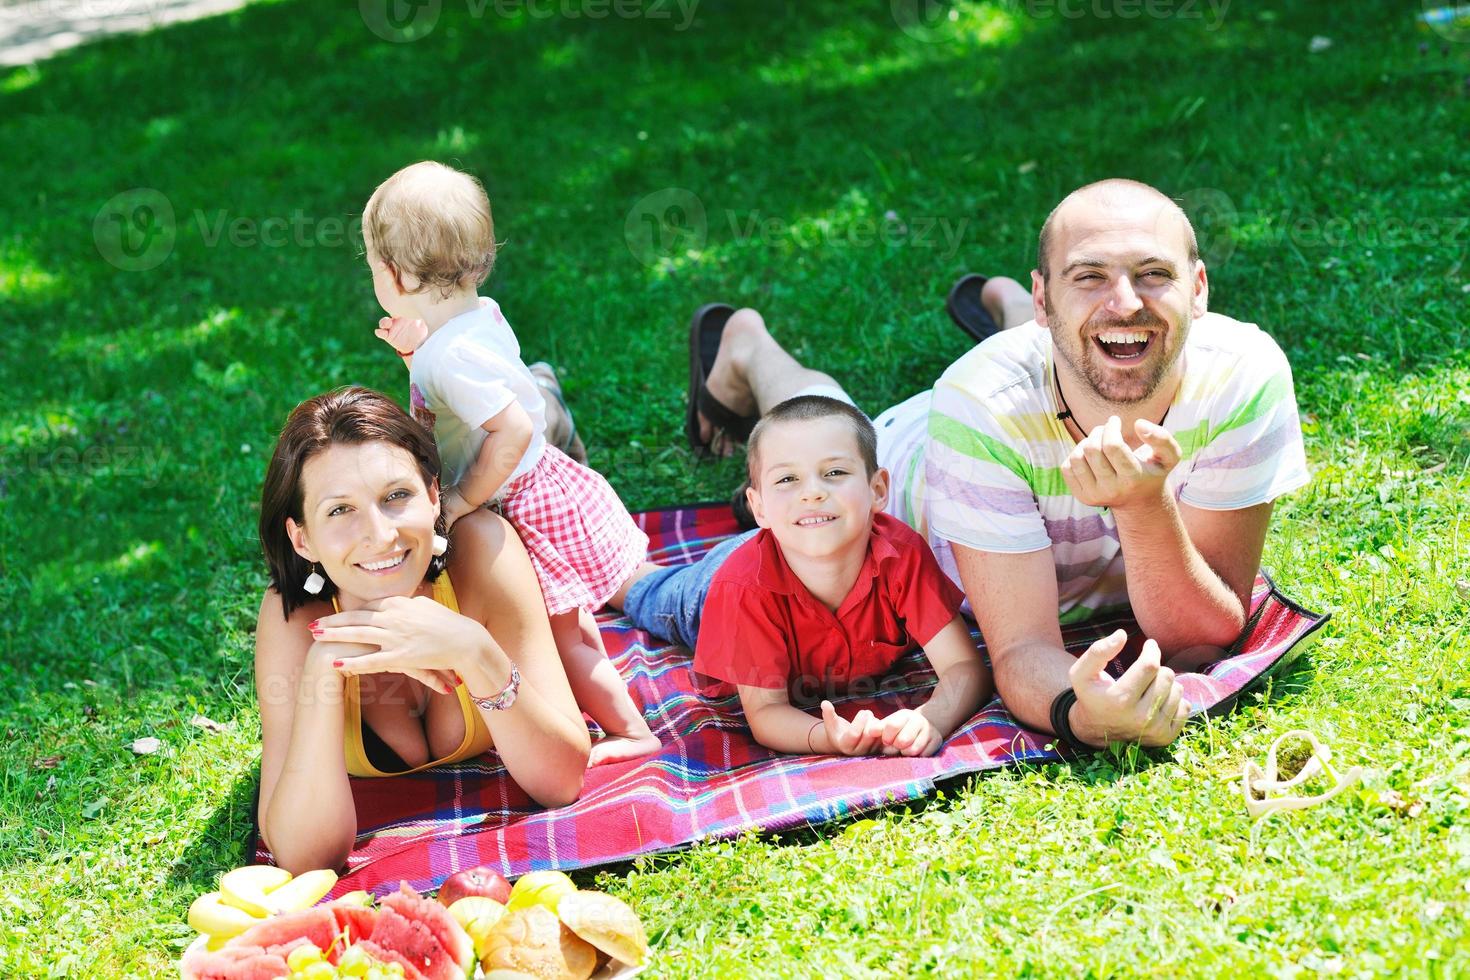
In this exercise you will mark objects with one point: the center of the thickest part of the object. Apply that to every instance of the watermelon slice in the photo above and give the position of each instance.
(353, 920)
(451, 936)
(385, 955)
(280, 932)
(415, 942)
(234, 962)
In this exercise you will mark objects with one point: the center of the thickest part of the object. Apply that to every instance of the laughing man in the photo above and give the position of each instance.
(1123, 421)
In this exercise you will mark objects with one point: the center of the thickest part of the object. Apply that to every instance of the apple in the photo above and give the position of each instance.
(484, 881)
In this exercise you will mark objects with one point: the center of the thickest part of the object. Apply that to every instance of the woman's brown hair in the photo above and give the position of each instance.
(348, 416)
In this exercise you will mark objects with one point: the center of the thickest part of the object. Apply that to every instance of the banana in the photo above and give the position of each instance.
(303, 892)
(246, 888)
(208, 914)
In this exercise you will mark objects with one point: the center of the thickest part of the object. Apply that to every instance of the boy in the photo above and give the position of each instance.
(828, 594)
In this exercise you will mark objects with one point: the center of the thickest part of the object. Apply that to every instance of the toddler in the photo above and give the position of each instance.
(431, 243)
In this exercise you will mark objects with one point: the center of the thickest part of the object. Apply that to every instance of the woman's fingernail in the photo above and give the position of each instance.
(317, 633)
(336, 663)
(312, 625)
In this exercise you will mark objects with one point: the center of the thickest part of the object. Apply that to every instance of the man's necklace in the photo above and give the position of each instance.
(1066, 412)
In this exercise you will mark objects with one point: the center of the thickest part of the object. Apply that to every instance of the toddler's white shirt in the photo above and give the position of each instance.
(466, 373)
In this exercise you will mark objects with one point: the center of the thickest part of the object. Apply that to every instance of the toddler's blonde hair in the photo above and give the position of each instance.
(432, 222)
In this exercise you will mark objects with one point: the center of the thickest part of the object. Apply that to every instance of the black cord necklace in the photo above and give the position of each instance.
(1066, 412)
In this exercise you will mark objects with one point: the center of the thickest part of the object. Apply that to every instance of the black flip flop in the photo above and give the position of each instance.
(705, 330)
(965, 309)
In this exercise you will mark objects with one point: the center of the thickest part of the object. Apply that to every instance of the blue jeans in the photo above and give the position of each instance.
(668, 603)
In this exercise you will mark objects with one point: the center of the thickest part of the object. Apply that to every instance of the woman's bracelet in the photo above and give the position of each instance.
(810, 749)
(1061, 720)
(503, 698)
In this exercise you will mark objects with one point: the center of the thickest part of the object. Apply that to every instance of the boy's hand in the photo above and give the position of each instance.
(861, 736)
(909, 732)
(403, 335)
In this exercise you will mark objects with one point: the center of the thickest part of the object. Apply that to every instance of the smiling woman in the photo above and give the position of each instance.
(380, 649)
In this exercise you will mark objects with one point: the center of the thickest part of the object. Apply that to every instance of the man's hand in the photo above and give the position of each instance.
(908, 732)
(402, 334)
(1145, 705)
(861, 736)
(1104, 472)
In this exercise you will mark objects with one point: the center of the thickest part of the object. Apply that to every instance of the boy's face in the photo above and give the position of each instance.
(813, 491)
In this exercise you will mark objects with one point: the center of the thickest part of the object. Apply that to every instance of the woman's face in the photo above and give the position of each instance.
(368, 519)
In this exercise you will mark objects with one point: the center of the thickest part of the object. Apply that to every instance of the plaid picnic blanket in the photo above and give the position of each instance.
(712, 779)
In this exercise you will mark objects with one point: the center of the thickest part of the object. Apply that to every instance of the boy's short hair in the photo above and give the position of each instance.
(809, 408)
(432, 222)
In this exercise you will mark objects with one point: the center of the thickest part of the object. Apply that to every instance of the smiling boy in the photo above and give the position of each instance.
(823, 599)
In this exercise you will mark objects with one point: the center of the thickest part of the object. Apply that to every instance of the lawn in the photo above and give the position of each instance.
(836, 164)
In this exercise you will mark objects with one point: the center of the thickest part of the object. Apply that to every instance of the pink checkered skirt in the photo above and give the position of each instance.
(582, 542)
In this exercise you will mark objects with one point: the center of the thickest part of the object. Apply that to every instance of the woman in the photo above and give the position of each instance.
(381, 650)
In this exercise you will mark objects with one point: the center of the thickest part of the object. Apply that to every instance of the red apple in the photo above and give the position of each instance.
(483, 880)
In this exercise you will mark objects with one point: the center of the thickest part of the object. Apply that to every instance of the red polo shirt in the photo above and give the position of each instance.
(761, 627)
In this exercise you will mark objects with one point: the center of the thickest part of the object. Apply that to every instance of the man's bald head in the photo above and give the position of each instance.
(1116, 193)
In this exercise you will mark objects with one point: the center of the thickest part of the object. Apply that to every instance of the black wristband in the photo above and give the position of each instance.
(1061, 721)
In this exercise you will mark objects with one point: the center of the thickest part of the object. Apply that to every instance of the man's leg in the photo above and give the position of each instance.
(752, 374)
(1008, 301)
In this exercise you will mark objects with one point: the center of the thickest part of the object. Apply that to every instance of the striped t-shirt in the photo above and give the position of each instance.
(977, 460)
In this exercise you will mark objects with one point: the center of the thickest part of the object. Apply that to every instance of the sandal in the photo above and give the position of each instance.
(705, 330)
(965, 309)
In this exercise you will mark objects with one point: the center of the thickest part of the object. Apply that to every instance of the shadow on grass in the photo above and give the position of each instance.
(222, 843)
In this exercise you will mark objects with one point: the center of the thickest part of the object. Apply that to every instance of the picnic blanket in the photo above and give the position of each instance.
(712, 779)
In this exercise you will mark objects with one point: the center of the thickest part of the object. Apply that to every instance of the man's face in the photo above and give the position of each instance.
(1120, 295)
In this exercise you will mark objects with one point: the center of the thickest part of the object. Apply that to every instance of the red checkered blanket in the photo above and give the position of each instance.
(712, 779)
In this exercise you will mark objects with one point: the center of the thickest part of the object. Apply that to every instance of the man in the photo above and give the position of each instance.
(1124, 420)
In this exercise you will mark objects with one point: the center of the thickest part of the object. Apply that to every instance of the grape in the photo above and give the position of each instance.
(355, 962)
(302, 957)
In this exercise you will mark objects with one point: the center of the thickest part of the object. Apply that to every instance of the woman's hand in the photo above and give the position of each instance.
(416, 637)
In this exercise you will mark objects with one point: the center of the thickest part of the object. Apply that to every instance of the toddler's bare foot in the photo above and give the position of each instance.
(621, 748)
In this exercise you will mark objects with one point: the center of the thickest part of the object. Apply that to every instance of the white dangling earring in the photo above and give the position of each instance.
(314, 582)
(439, 545)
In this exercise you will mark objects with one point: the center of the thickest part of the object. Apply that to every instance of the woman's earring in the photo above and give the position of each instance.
(439, 545)
(314, 582)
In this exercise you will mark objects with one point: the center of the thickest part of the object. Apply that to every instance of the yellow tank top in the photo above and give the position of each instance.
(477, 735)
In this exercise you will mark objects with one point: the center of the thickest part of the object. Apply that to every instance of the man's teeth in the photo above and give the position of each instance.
(808, 521)
(378, 566)
(1123, 337)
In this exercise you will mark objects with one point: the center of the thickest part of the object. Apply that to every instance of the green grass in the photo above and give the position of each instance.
(142, 405)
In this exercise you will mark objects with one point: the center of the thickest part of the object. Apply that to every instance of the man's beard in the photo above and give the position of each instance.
(1077, 348)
